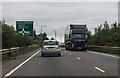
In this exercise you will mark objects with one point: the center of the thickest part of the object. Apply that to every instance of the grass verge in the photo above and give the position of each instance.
(104, 50)
(13, 54)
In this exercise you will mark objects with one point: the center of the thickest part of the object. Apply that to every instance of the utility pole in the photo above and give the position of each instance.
(41, 33)
(41, 28)
(55, 34)
(63, 34)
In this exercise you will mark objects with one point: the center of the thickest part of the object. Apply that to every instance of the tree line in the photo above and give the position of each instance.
(12, 39)
(105, 35)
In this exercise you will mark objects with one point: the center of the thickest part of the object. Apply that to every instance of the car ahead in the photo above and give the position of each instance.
(62, 45)
(50, 47)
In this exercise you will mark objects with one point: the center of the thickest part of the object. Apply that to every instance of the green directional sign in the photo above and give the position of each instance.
(25, 28)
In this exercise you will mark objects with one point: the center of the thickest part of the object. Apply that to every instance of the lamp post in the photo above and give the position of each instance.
(56, 34)
(63, 34)
(41, 28)
(41, 33)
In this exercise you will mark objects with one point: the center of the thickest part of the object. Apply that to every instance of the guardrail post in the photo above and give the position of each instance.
(9, 53)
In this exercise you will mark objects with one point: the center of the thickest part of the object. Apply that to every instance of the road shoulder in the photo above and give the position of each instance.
(11, 64)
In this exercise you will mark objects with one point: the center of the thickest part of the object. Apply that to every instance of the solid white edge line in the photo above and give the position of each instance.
(20, 65)
(105, 54)
(78, 58)
(100, 69)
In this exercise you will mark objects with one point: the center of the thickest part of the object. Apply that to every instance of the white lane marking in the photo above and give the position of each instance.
(20, 65)
(65, 51)
(69, 53)
(105, 54)
(78, 58)
(100, 69)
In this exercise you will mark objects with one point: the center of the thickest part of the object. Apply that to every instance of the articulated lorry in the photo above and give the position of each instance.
(75, 37)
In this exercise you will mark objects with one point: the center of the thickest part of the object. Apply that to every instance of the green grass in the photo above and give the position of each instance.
(104, 50)
(13, 54)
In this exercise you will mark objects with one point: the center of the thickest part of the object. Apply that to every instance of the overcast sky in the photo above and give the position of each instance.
(57, 15)
(60, 0)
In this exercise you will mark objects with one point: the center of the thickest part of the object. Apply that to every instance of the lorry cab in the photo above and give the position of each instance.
(76, 38)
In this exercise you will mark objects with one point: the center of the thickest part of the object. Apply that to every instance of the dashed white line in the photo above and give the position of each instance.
(20, 65)
(78, 58)
(69, 53)
(65, 51)
(100, 69)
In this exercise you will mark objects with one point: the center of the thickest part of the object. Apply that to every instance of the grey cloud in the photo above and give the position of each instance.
(57, 15)
(0, 10)
(119, 12)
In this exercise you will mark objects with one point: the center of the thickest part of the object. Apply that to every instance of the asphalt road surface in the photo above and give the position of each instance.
(71, 63)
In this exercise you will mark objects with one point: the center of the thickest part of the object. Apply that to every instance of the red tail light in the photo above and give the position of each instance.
(58, 43)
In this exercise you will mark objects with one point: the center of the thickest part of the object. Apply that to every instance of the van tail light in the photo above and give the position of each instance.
(58, 44)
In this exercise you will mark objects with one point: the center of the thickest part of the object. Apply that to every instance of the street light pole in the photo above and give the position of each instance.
(55, 34)
(41, 33)
(63, 34)
(41, 28)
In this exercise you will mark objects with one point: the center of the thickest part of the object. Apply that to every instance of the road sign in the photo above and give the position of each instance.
(25, 28)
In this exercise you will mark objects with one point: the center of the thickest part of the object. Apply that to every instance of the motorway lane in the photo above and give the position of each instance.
(107, 63)
(70, 64)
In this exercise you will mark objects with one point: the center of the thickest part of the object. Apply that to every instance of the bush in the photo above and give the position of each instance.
(11, 39)
(105, 35)
(8, 36)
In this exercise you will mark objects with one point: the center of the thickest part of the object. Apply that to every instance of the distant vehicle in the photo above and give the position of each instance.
(50, 47)
(62, 45)
(59, 43)
(76, 37)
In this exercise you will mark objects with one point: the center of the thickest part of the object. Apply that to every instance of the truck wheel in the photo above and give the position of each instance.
(71, 48)
(85, 50)
(66, 48)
